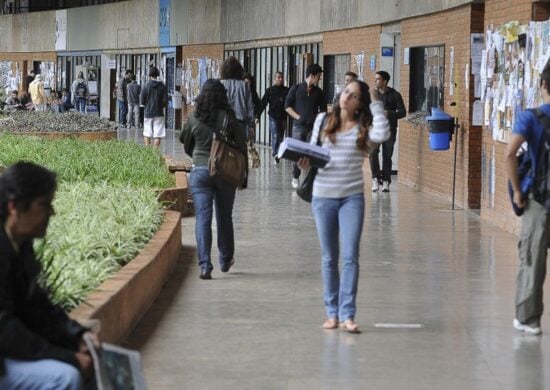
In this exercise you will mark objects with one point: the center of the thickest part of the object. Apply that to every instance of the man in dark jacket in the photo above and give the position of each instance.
(275, 96)
(40, 347)
(154, 98)
(395, 109)
(303, 102)
(134, 89)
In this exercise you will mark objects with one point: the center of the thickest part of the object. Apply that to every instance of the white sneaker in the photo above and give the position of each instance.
(386, 186)
(375, 185)
(294, 183)
(533, 330)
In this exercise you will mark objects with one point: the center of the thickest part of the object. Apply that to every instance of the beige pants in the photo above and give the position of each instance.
(533, 248)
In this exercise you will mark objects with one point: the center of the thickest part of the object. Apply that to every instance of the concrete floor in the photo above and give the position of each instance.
(435, 302)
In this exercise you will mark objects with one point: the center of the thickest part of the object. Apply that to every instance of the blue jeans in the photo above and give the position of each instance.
(80, 104)
(207, 190)
(277, 129)
(300, 132)
(122, 111)
(339, 223)
(40, 375)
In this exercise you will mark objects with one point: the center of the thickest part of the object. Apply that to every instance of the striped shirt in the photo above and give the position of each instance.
(343, 175)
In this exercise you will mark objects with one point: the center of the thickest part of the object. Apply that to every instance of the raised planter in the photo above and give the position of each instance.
(177, 196)
(121, 301)
(88, 136)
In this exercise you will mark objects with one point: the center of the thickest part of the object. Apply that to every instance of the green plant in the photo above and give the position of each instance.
(97, 229)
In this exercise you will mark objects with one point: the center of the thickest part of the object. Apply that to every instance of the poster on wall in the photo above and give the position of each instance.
(61, 29)
(514, 56)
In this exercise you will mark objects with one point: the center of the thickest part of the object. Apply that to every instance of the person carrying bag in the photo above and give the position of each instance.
(218, 148)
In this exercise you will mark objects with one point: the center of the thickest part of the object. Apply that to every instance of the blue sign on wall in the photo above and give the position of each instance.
(164, 22)
(387, 51)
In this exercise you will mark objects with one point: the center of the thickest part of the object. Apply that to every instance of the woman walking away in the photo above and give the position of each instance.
(338, 201)
(211, 110)
(239, 95)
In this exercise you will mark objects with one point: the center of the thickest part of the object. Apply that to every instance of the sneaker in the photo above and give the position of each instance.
(227, 266)
(529, 329)
(276, 160)
(375, 185)
(386, 186)
(295, 183)
(206, 274)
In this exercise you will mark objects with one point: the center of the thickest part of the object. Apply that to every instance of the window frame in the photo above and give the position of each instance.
(426, 64)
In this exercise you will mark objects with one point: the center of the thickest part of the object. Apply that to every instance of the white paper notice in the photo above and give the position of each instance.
(477, 86)
(477, 113)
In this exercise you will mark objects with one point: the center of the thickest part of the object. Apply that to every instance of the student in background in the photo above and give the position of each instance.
(275, 96)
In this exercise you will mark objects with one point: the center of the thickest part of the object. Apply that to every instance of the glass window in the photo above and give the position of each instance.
(427, 66)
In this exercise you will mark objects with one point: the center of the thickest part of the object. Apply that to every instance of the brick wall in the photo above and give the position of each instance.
(419, 166)
(353, 41)
(197, 51)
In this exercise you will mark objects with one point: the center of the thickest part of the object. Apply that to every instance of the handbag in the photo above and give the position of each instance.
(305, 188)
(253, 156)
(226, 161)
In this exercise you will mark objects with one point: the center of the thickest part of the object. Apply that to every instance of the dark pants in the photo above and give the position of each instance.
(122, 111)
(387, 153)
(302, 133)
(277, 129)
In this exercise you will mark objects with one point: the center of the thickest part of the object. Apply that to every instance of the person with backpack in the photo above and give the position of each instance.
(535, 232)
(154, 98)
(79, 91)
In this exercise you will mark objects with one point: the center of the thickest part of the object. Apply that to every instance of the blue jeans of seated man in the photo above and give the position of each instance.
(277, 130)
(206, 192)
(40, 375)
(339, 224)
(300, 132)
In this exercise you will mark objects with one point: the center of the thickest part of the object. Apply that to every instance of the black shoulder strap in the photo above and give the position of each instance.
(321, 127)
(545, 120)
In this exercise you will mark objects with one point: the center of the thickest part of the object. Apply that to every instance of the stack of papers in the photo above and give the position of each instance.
(293, 149)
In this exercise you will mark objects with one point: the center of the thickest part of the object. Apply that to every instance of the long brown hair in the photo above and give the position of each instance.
(363, 116)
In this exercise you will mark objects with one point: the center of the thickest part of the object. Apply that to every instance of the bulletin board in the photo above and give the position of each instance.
(195, 72)
(511, 64)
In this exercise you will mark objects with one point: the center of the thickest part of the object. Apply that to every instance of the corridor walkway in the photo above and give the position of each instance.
(435, 303)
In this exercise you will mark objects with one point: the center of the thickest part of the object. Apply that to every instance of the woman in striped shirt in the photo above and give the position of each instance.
(356, 125)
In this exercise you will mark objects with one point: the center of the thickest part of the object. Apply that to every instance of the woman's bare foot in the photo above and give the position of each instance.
(331, 323)
(349, 326)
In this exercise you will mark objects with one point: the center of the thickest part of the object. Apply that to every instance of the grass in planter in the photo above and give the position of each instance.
(97, 229)
(106, 204)
(116, 162)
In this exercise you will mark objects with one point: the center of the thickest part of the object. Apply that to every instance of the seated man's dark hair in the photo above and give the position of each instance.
(22, 183)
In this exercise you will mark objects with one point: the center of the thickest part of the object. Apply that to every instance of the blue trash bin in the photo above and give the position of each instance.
(440, 125)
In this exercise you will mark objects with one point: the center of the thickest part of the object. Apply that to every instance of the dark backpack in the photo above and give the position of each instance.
(81, 89)
(535, 178)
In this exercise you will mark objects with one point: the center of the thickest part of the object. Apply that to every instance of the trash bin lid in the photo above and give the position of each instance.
(438, 115)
